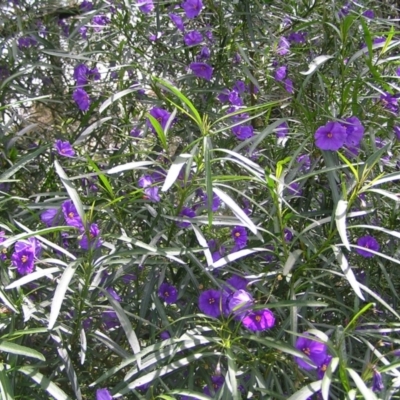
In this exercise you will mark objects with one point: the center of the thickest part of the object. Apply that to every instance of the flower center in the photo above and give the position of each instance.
(306, 351)
(237, 234)
(24, 259)
(71, 215)
(166, 294)
(329, 135)
(324, 367)
(211, 301)
(258, 318)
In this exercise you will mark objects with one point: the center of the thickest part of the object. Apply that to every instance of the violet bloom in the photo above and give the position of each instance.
(86, 6)
(114, 294)
(168, 293)
(25, 42)
(377, 382)
(81, 99)
(3, 252)
(294, 189)
(216, 202)
(287, 234)
(110, 319)
(202, 70)
(83, 31)
(186, 212)
(103, 394)
(354, 131)
(239, 235)
(24, 261)
(161, 115)
(368, 242)
(99, 21)
(71, 215)
(369, 14)
(239, 303)
(210, 303)
(398, 71)
(91, 239)
(297, 37)
(81, 73)
(204, 54)
(314, 350)
(145, 181)
(282, 130)
(64, 149)
(389, 102)
(135, 132)
(243, 132)
(145, 6)
(217, 383)
(323, 367)
(259, 320)
(193, 38)
(234, 98)
(289, 85)
(236, 58)
(305, 162)
(164, 335)
(237, 282)
(177, 20)
(192, 8)
(283, 46)
(396, 130)
(331, 136)
(217, 255)
(31, 244)
(49, 217)
(280, 73)
(151, 193)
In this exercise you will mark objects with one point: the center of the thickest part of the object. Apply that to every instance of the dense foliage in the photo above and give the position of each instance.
(199, 199)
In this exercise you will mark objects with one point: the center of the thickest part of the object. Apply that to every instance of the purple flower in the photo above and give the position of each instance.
(280, 73)
(240, 87)
(243, 132)
(192, 38)
(103, 394)
(145, 181)
(99, 21)
(314, 350)
(24, 261)
(151, 193)
(287, 234)
(259, 320)
(161, 115)
(94, 74)
(369, 14)
(389, 102)
(81, 99)
(354, 131)
(192, 8)
(396, 130)
(135, 132)
(49, 217)
(234, 98)
(164, 335)
(83, 31)
(236, 58)
(323, 367)
(3, 252)
(294, 189)
(71, 215)
(32, 244)
(368, 242)
(283, 46)
(304, 161)
(297, 37)
(86, 6)
(64, 149)
(239, 303)
(114, 294)
(145, 6)
(332, 136)
(25, 42)
(81, 73)
(239, 235)
(110, 319)
(186, 212)
(168, 293)
(217, 382)
(282, 130)
(204, 54)
(202, 70)
(216, 202)
(237, 282)
(210, 303)
(377, 383)
(177, 20)
(398, 71)
(289, 86)
(91, 239)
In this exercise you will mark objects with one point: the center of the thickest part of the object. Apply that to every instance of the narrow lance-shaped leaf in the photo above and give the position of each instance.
(340, 218)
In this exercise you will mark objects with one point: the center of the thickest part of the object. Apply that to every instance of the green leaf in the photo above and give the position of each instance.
(129, 166)
(46, 384)
(116, 97)
(6, 389)
(174, 171)
(159, 130)
(327, 379)
(340, 219)
(362, 387)
(59, 293)
(14, 348)
(39, 273)
(306, 391)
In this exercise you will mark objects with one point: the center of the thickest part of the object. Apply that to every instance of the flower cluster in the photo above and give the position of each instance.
(25, 254)
(335, 135)
(234, 300)
(82, 75)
